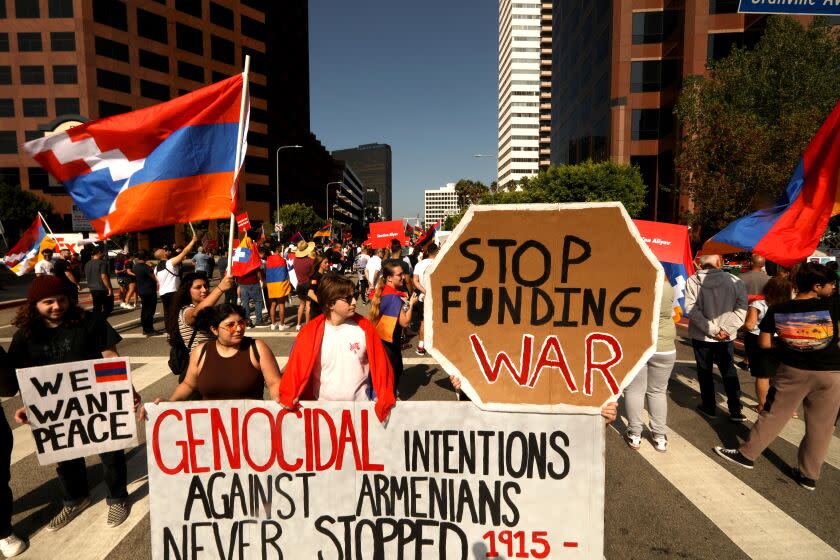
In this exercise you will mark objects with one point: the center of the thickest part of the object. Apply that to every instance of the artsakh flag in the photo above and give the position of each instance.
(27, 251)
(166, 164)
(428, 237)
(297, 238)
(110, 371)
(246, 258)
(790, 231)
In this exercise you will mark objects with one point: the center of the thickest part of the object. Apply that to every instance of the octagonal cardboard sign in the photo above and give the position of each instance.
(544, 307)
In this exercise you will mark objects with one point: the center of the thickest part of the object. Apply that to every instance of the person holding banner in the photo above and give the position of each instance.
(10, 544)
(194, 295)
(390, 311)
(51, 331)
(168, 273)
(338, 355)
(232, 366)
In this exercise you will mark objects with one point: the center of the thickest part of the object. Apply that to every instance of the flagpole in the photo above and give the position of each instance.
(46, 225)
(239, 134)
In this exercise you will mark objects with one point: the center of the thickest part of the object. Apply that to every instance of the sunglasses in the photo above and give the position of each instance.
(349, 300)
(233, 325)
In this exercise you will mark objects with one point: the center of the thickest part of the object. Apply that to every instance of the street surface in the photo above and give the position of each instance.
(685, 503)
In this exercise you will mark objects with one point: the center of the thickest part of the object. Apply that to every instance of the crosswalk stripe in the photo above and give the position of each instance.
(793, 432)
(142, 377)
(88, 537)
(753, 523)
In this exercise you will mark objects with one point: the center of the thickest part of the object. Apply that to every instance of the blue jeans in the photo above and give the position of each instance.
(722, 354)
(248, 293)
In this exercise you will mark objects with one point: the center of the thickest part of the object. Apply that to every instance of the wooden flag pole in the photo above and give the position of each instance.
(46, 225)
(239, 134)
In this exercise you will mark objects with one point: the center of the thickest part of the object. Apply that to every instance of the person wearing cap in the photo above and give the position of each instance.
(45, 265)
(53, 331)
(168, 273)
(304, 267)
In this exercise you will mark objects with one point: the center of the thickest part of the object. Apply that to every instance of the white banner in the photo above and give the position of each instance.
(77, 409)
(247, 479)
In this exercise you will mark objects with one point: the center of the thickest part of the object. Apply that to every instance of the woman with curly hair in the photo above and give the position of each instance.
(52, 331)
(390, 312)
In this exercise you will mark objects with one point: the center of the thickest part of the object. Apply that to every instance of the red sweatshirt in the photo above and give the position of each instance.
(295, 383)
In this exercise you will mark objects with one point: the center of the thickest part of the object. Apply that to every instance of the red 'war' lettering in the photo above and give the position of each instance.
(603, 367)
(502, 359)
(551, 344)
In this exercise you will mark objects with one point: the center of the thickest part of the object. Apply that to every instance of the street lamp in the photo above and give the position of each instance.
(277, 164)
(327, 207)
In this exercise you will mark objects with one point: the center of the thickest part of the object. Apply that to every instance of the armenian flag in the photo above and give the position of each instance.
(427, 237)
(110, 371)
(297, 238)
(277, 277)
(27, 251)
(790, 231)
(245, 258)
(325, 231)
(166, 164)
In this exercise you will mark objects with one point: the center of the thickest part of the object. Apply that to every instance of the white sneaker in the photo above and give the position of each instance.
(12, 546)
(281, 327)
(298, 327)
(124, 305)
(633, 440)
(660, 442)
(274, 326)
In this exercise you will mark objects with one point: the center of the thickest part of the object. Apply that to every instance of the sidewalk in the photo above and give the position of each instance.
(13, 289)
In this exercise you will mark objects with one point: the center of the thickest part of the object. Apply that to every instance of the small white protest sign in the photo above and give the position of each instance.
(78, 409)
(249, 479)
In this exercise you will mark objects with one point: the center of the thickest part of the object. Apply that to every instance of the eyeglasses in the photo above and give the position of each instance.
(349, 300)
(233, 325)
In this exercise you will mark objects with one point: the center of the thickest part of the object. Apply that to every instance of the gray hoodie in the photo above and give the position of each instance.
(714, 300)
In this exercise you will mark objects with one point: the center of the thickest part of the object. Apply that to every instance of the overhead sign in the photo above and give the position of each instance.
(80, 221)
(543, 307)
(78, 409)
(791, 7)
(251, 480)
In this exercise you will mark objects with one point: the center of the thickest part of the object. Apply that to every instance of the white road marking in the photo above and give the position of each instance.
(753, 523)
(88, 537)
(793, 432)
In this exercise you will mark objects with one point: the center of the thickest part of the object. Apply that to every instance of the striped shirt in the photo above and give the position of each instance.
(187, 331)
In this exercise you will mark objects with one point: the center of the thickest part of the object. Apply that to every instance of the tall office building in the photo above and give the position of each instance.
(72, 60)
(372, 165)
(524, 87)
(440, 203)
(617, 71)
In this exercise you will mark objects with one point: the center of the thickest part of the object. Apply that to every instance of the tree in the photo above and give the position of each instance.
(584, 182)
(298, 217)
(470, 192)
(746, 124)
(19, 209)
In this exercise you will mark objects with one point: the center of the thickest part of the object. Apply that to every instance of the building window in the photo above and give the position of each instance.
(653, 27)
(3, 14)
(652, 75)
(258, 64)
(8, 142)
(113, 80)
(190, 71)
(34, 107)
(63, 41)
(65, 74)
(153, 90)
(29, 42)
(32, 135)
(222, 50)
(30, 75)
(4, 42)
(188, 39)
(258, 90)
(111, 49)
(60, 8)
(723, 6)
(67, 106)
(651, 124)
(107, 109)
(10, 175)
(7, 107)
(259, 115)
(38, 178)
(27, 9)
(252, 28)
(191, 7)
(219, 76)
(221, 16)
(152, 26)
(721, 44)
(154, 61)
(110, 13)
(5, 75)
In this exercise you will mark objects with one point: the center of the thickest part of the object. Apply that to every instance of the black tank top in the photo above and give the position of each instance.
(230, 378)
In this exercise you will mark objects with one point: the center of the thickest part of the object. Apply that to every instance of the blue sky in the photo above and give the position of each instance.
(420, 76)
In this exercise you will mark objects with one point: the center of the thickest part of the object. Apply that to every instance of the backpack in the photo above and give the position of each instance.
(179, 356)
